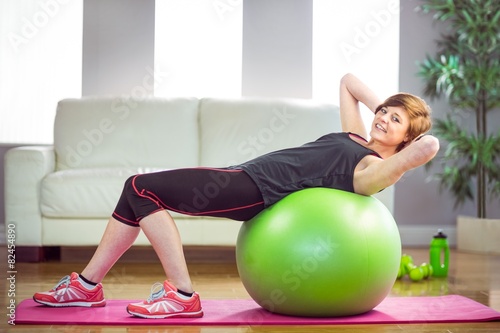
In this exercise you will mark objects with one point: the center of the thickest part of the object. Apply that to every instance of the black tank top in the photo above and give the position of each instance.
(327, 162)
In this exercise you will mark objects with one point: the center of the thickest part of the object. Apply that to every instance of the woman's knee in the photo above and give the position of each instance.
(132, 187)
(139, 188)
(128, 185)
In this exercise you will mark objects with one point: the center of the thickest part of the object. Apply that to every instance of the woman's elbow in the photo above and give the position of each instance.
(430, 146)
(346, 77)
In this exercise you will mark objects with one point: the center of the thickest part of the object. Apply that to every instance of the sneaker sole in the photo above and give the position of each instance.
(68, 304)
(197, 314)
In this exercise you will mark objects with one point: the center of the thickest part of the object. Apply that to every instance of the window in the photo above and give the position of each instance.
(198, 47)
(364, 42)
(40, 62)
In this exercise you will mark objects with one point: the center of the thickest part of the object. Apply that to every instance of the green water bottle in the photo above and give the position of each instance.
(439, 254)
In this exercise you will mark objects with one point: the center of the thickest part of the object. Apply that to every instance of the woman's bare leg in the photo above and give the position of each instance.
(117, 239)
(163, 235)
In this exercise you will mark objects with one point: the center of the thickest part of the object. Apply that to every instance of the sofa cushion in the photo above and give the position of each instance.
(94, 132)
(86, 193)
(234, 131)
(82, 193)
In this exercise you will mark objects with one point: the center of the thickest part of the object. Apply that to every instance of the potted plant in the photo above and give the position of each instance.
(466, 71)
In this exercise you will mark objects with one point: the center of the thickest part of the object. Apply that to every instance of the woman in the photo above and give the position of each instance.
(345, 161)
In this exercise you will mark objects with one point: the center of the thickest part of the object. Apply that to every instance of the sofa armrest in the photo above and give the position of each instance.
(25, 167)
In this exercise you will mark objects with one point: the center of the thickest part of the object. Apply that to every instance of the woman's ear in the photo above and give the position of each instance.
(402, 146)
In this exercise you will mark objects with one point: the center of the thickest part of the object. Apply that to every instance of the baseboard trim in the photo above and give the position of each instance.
(422, 235)
(410, 235)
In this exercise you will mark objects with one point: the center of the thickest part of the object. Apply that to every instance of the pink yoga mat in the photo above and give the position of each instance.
(451, 308)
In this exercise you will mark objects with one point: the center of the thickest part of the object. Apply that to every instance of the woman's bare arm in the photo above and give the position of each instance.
(352, 92)
(379, 174)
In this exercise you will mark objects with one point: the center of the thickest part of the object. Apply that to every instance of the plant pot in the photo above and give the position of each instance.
(478, 235)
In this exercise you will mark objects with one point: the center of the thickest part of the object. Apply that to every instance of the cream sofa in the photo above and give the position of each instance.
(62, 195)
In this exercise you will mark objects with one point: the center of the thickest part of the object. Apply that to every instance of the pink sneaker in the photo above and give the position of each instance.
(166, 302)
(70, 292)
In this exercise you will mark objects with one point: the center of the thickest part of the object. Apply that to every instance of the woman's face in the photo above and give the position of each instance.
(390, 126)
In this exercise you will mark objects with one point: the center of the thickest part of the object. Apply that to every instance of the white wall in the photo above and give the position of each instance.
(118, 47)
(277, 48)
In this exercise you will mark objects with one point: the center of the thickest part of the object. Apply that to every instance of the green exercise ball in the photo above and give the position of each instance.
(320, 253)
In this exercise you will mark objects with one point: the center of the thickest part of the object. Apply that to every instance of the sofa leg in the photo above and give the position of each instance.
(38, 253)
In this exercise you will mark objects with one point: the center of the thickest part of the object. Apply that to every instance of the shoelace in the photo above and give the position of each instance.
(157, 292)
(66, 281)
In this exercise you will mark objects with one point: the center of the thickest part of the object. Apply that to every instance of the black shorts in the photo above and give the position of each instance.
(224, 193)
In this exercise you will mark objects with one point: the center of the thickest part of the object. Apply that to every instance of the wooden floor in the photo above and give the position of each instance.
(215, 276)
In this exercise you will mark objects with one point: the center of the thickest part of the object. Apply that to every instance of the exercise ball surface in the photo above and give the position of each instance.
(320, 253)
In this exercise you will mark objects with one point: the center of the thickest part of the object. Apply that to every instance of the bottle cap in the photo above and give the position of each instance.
(440, 234)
